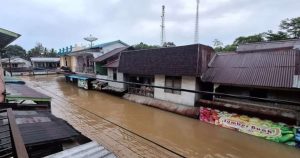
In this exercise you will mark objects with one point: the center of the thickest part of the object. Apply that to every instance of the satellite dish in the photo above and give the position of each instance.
(90, 39)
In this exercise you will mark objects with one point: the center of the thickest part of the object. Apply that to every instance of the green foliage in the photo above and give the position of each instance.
(291, 27)
(40, 51)
(144, 46)
(13, 51)
(280, 35)
(249, 39)
(169, 44)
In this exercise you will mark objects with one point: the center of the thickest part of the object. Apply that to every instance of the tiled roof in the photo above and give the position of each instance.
(274, 68)
(190, 60)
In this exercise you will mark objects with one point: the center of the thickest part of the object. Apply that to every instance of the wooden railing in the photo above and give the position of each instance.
(143, 91)
(17, 141)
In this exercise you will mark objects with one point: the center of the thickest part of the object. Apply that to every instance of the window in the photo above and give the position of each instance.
(173, 82)
(14, 65)
(114, 74)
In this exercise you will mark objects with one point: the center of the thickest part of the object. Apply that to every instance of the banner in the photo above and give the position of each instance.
(277, 132)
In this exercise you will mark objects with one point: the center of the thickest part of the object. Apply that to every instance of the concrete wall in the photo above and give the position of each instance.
(185, 98)
(120, 77)
(73, 62)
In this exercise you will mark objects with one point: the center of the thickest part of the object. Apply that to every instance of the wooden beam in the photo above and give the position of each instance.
(20, 149)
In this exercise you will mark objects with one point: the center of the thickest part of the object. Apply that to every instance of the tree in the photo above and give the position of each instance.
(52, 53)
(169, 44)
(37, 51)
(280, 35)
(291, 27)
(144, 46)
(229, 48)
(13, 50)
(218, 45)
(249, 39)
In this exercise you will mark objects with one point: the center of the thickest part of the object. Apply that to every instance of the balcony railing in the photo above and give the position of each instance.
(143, 91)
(85, 69)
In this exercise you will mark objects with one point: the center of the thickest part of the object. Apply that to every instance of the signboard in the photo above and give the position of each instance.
(83, 83)
(277, 132)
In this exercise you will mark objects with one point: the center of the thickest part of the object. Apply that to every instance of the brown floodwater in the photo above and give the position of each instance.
(100, 115)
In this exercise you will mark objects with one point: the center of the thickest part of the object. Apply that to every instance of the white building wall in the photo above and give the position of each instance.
(296, 81)
(120, 77)
(185, 98)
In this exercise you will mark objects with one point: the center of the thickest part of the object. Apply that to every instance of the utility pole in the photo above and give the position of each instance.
(10, 68)
(163, 38)
(196, 38)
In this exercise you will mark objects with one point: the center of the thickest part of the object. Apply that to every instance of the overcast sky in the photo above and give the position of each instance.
(60, 23)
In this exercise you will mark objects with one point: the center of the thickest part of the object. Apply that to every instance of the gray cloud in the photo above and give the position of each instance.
(59, 23)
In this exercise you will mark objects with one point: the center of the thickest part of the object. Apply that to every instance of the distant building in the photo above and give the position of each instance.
(107, 66)
(175, 67)
(15, 62)
(264, 70)
(82, 60)
(45, 62)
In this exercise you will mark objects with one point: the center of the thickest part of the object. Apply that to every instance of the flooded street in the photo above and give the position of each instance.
(134, 130)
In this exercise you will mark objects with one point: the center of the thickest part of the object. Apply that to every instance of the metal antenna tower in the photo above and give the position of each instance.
(196, 38)
(163, 38)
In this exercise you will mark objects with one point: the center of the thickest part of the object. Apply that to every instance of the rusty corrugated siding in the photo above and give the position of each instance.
(264, 69)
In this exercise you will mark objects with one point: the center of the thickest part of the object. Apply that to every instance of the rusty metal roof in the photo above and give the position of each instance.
(274, 68)
(270, 45)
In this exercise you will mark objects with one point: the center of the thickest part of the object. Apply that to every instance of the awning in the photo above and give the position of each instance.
(6, 37)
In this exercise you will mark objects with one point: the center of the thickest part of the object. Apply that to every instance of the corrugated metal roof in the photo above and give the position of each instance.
(110, 54)
(6, 37)
(38, 127)
(259, 46)
(274, 68)
(21, 91)
(109, 43)
(15, 60)
(88, 150)
(113, 64)
(44, 59)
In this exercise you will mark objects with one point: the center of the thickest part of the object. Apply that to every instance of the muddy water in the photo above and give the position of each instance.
(185, 136)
